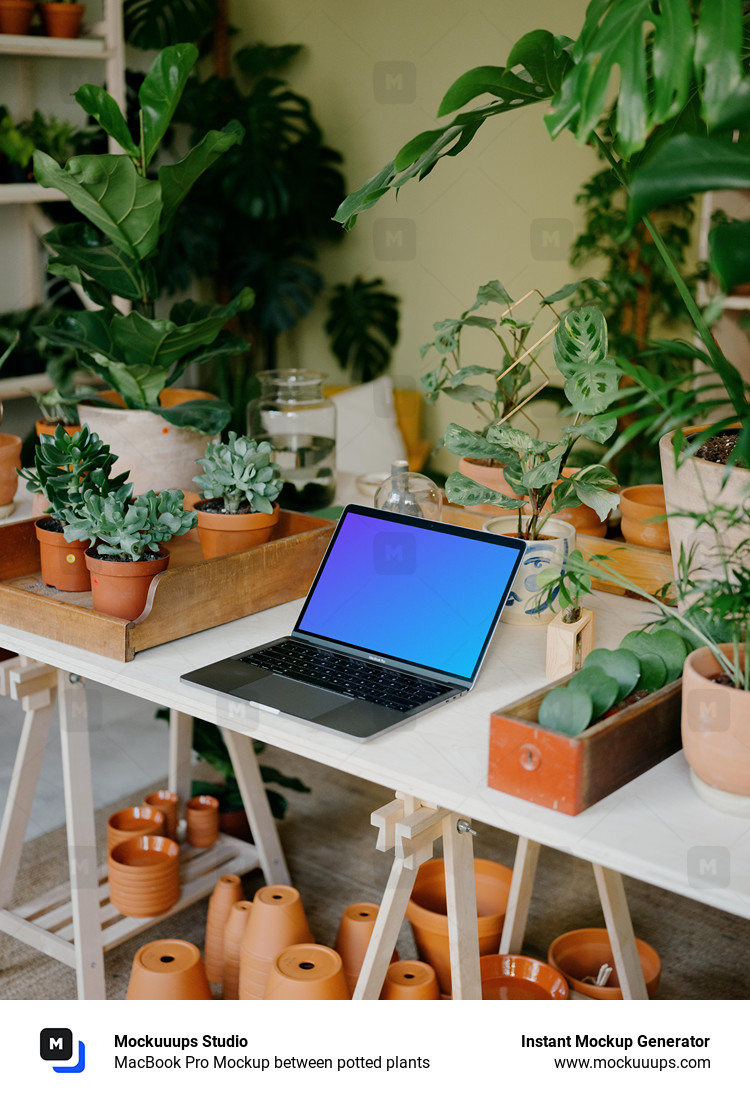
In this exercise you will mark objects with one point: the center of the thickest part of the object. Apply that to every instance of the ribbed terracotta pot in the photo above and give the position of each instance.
(410, 980)
(63, 563)
(520, 978)
(581, 954)
(144, 875)
(226, 892)
(62, 20)
(277, 920)
(234, 930)
(202, 817)
(168, 802)
(716, 733)
(221, 534)
(15, 16)
(10, 460)
(353, 938)
(427, 912)
(134, 821)
(168, 970)
(307, 972)
(121, 588)
(644, 511)
(552, 549)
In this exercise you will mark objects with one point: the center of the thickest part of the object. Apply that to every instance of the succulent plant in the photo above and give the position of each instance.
(67, 466)
(131, 529)
(240, 471)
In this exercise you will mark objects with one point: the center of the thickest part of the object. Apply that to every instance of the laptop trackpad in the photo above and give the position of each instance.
(288, 696)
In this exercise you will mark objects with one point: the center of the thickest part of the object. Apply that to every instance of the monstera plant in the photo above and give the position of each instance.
(127, 209)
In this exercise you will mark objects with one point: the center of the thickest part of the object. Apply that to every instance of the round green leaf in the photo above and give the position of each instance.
(602, 689)
(664, 643)
(566, 711)
(621, 664)
(653, 671)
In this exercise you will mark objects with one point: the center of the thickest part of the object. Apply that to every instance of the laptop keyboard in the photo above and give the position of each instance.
(346, 675)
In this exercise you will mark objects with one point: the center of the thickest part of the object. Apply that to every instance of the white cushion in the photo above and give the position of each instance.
(367, 432)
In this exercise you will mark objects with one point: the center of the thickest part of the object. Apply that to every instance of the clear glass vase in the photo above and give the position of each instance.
(300, 424)
(410, 493)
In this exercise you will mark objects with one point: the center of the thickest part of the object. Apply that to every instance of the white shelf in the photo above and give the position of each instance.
(33, 45)
(738, 302)
(18, 194)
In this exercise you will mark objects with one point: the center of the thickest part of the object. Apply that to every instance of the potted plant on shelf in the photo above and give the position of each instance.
(126, 538)
(15, 16)
(239, 487)
(127, 210)
(62, 18)
(66, 467)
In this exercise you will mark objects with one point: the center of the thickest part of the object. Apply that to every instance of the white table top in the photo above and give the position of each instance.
(655, 828)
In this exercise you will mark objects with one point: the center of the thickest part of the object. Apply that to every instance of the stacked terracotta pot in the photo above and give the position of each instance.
(134, 821)
(226, 892)
(168, 970)
(144, 875)
(276, 921)
(202, 817)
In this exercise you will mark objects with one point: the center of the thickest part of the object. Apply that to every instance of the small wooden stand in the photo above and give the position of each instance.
(568, 644)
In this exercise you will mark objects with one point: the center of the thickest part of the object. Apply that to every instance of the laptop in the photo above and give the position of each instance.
(397, 621)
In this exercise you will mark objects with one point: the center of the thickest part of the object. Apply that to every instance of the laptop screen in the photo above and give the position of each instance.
(411, 589)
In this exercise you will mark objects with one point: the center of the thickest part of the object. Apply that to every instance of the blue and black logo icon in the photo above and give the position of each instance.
(56, 1045)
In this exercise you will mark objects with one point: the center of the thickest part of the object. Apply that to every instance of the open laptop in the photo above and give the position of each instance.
(397, 620)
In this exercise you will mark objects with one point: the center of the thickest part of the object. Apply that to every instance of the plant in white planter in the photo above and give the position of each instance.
(127, 539)
(239, 487)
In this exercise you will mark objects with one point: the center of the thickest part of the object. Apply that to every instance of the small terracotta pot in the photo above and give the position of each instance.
(582, 953)
(10, 460)
(168, 970)
(234, 930)
(520, 978)
(353, 938)
(202, 816)
(409, 980)
(134, 821)
(15, 16)
(221, 534)
(144, 875)
(716, 732)
(121, 588)
(277, 920)
(63, 563)
(62, 20)
(168, 803)
(226, 892)
(641, 507)
(427, 912)
(307, 972)
(48, 427)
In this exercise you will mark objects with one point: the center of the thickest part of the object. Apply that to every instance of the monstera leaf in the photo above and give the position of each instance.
(154, 24)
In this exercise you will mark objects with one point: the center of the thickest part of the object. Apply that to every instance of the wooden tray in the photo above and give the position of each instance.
(191, 595)
(569, 774)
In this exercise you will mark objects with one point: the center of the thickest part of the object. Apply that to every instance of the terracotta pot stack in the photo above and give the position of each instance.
(144, 875)
(307, 972)
(168, 970)
(226, 892)
(132, 822)
(277, 920)
(202, 816)
(234, 930)
(353, 938)
(168, 803)
(409, 980)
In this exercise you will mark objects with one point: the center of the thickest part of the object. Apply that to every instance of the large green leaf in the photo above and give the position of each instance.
(206, 416)
(615, 39)
(87, 331)
(566, 710)
(78, 244)
(154, 24)
(718, 45)
(101, 106)
(462, 490)
(177, 179)
(139, 384)
(107, 190)
(683, 166)
(729, 249)
(362, 325)
(581, 337)
(160, 93)
(467, 444)
(592, 387)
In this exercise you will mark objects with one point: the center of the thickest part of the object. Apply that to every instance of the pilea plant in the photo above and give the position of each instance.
(129, 530)
(241, 472)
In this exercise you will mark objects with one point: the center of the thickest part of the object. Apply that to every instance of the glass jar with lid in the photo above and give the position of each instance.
(300, 424)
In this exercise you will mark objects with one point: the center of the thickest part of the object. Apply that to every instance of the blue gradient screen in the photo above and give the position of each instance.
(415, 593)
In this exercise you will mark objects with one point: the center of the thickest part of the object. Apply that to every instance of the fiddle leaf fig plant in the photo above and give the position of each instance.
(127, 210)
(129, 530)
(241, 472)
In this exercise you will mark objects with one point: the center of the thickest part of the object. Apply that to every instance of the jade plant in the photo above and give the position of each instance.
(242, 473)
(67, 467)
(128, 530)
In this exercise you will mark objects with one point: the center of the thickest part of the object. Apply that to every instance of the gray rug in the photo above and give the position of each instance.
(330, 848)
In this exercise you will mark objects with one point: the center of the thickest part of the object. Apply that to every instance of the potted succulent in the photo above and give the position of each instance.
(239, 488)
(127, 210)
(126, 539)
(62, 18)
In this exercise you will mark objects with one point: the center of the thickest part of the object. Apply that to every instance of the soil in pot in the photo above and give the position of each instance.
(222, 532)
(120, 587)
(63, 563)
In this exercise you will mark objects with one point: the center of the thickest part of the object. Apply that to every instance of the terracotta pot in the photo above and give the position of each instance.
(353, 938)
(168, 803)
(520, 978)
(491, 476)
(716, 732)
(306, 972)
(277, 920)
(584, 519)
(644, 510)
(226, 892)
(168, 970)
(49, 427)
(234, 930)
(134, 821)
(582, 953)
(427, 911)
(15, 16)
(144, 875)
(63, 563)
(121, 588)
(202, 817)
(692, 487)
(158, 455)
(540, 553)
(10, 460)
(409, 980)
(226, 534)
(62, 20)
